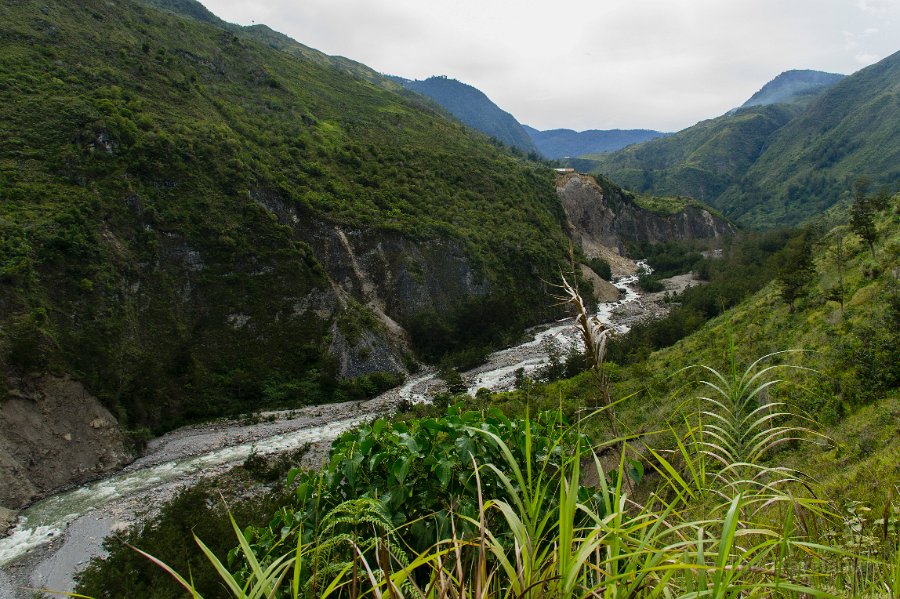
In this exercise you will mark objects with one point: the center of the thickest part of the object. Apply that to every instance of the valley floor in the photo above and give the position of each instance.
(59, 535)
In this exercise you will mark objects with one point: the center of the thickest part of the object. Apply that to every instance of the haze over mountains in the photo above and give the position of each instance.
(792, 86)
(475, 109)
(565, 143)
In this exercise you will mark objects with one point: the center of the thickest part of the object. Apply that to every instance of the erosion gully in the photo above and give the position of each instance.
(57, 536)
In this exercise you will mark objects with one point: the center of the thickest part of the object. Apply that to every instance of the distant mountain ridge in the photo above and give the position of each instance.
(472, 106)
(782, 163)
(791, 86)
(563, 143)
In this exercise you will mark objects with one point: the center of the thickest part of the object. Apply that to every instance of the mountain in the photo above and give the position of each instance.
(776, 164)
(563, 143)
(474, 108)
(808, 166)
(601, 217)
(274, 39)
(701, 161)
(199, 219)
(792, 86)
(194, 222)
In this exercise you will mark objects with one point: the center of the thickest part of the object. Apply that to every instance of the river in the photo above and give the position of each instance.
(57, 536)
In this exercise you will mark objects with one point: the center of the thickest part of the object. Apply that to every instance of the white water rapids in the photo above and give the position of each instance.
(54, 519)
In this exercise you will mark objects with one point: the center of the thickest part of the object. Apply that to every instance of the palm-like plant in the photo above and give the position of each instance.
(740, 427)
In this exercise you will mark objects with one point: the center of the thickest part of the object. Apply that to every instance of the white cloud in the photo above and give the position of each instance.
(879, 7)
(585, 64)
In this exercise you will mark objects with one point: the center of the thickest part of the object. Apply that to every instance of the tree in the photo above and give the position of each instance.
(837, 293)
(862, 213)
(795, 268)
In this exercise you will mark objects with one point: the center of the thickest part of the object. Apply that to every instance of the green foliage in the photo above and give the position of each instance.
(668, 258)
(795, 269)
(776, 165)
(649, 283)
(163, 178)
(199, 510)
(862, 213)
(463, 335)
(601, 267)
(666, 205)
(747, 263)
(537, 531)
(420, 471)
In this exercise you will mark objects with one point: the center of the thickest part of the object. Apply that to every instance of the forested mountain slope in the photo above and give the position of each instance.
(793, 86)
(474, 108)
(850, 130)
(193, 222)
(778, 164)
(701, 161)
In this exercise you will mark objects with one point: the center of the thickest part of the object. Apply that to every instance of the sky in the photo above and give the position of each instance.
(592, 64)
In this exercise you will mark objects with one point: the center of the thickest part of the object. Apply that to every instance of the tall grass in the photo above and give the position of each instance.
(719, 519)
(719, 523)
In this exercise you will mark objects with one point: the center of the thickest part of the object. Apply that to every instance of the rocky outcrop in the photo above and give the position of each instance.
(380, 274)
(53, 433)
(599, 218)
(392, 275)
(7, 520)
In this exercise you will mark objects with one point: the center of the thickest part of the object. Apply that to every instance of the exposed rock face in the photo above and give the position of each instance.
(52, 434)
(393, 275)
(597, 222)
(7, 519)
(390, 275)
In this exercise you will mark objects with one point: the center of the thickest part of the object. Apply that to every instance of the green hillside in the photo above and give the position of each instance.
(474, 108)
(701, 161)
(792, 87)
(851, 393)
(165, 186)
(850, 130)
(780, 164)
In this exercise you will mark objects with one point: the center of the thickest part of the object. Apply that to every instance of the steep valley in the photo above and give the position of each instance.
(200, 220)
(227, 257)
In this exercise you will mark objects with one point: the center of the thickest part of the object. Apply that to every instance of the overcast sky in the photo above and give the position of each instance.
(592, 64)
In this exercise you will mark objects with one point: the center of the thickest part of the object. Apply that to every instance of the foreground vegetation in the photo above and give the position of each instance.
(714, 481)
(508, 512)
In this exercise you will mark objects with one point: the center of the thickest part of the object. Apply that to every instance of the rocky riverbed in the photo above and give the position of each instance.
(58, 536)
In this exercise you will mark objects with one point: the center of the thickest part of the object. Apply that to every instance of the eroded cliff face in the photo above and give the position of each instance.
(599, 219)
(380, 275)
(53, 433)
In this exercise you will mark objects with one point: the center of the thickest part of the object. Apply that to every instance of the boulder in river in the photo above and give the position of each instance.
(7, 519)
